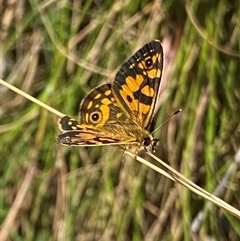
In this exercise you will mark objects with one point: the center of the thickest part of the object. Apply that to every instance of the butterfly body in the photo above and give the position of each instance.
(120, 113)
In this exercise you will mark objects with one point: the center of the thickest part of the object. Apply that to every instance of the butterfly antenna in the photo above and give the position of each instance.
(175, 113)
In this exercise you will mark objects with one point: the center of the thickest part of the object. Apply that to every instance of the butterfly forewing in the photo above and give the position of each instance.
(137, 84)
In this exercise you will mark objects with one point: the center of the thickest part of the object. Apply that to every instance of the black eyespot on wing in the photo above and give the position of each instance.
(149, 63)
(96, 117)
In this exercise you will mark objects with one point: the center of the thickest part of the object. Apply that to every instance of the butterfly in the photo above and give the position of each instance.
(120, 113)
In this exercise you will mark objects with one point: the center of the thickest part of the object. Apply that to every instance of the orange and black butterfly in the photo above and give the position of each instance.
(120, 113)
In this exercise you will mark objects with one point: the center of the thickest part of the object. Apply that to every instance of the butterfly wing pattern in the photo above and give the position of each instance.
(137, 84)
(120, 113)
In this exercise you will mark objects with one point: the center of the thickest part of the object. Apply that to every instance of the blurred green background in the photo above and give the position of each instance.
(57, 51)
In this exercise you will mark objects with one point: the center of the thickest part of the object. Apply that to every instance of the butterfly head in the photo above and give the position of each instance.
(149, 144)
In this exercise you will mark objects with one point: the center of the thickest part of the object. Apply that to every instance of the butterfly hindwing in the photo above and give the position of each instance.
(100, 109)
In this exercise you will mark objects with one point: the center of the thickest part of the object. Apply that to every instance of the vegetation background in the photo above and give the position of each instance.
(57, 51)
